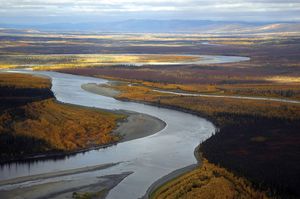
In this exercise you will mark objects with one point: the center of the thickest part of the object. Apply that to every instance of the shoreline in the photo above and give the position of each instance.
(173, 175)
(137, 125)
(56, 174)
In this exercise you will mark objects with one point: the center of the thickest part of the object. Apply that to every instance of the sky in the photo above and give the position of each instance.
(72, 11)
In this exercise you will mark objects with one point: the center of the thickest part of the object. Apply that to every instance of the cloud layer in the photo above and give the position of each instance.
(68, 10)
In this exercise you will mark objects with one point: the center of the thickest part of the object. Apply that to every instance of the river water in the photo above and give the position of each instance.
(148, 158)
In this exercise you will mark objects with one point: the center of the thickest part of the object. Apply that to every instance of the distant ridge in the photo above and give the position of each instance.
(165, 26)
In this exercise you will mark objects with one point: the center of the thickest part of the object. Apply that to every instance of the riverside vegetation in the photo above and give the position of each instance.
(200, 182)
(32, 122)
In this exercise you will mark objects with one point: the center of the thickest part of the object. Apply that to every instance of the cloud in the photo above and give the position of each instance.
(155, 9)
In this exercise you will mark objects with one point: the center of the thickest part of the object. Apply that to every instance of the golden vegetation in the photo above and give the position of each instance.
(15, 80)
(200, 88)
(137, 92)
(138, 86)
(207, 181)
(7, 66)
(62, 127)
(209, 105)
(241, 42)
(284, 79)
(51, 62)
(282, 90)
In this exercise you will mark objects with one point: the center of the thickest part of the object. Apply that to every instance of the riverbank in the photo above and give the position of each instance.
(137, 125)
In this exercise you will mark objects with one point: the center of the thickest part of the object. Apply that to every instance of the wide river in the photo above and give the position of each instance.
(149, 158)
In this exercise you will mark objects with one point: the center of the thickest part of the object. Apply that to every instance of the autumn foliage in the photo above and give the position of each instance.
(208, 181)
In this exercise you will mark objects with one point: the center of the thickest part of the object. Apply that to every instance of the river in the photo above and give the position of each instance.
(147, 159)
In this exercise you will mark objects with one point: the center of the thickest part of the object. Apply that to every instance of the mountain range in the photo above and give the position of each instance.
(165, 26)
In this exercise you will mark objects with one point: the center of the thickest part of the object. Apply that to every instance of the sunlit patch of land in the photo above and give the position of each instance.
(284, 79)
(162, 45)
(47, 62)
(247, 42)
(7, 66)
(19, 81)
